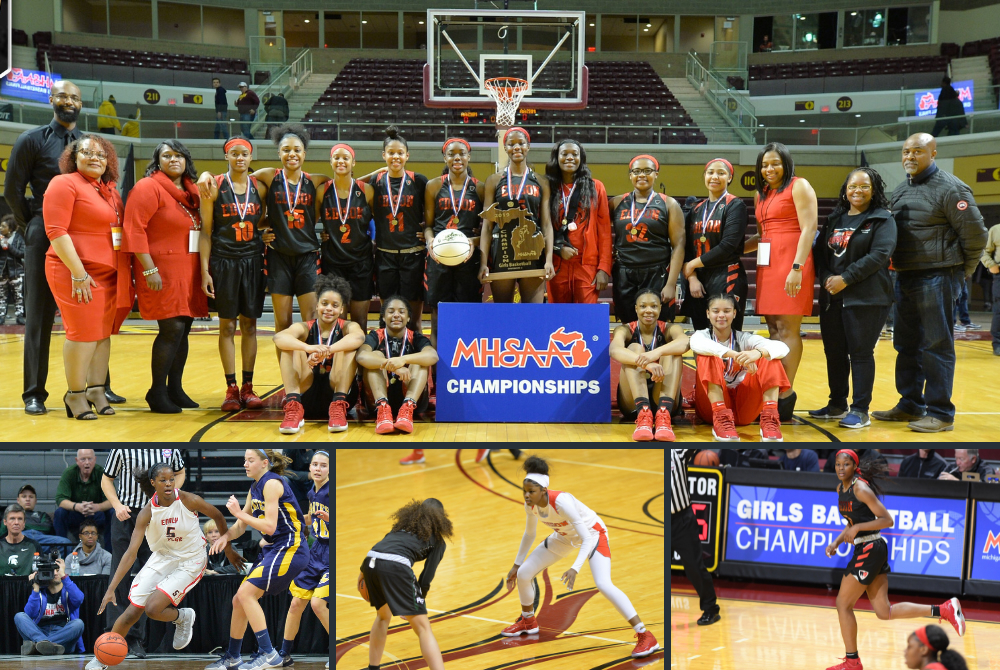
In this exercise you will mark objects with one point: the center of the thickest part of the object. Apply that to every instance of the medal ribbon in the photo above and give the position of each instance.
(388, 354)
(298, 187)
(342, 215)
(399, 198)
(708, 216)
(242, 211)
(565, 199)
(510, 187)
(329, 340)
(728, 361)
(465, 189)
(635, 221)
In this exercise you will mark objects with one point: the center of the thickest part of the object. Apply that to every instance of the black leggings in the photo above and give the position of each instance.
(170, 350)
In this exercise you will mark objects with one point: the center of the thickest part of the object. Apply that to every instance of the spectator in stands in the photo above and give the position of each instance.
(94, 559)
(277, 109)
(221, 110)
(940, 238)
(11, 268)
(79, 498)
(966, 460)
(107, 117)
(801, 460)
(786, 213)
(131, 127)
(950, 114)
(852, 263)
(991, 261)
(766, 45)
(51, 621)
(247, 105)
(16, 550)
(218, 564)
(37, 525)
(925, 464)
(960, 314)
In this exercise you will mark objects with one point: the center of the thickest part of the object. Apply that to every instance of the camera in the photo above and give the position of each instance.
(46, 568)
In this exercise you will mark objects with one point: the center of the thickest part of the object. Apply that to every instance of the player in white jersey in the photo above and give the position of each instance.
(169, 522)
(574, 526)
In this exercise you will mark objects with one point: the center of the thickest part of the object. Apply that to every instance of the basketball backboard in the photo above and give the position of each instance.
(465, 47)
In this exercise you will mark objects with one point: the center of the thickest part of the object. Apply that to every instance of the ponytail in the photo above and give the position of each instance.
(938, 643)
(277, 459)
(872, 468)
(145, 476)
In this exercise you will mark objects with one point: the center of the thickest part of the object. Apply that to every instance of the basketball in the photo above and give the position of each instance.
(362, 587)
(707, 457)
(451, 247)
(111, 649)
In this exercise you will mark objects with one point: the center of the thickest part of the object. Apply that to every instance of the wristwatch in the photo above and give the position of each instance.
(796, 266)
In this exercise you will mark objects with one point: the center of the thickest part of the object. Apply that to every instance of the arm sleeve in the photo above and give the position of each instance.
(32, 606)
(17, 246)
(63, 490)
(603, 221)
(991, 247)
(74, 596)
(142, 205)
(430, 568)
(530, 528)
(883, 244)
(569, 509)
(18, 174)
(774, 348)
(967, 222)
(706, 346)
(57, 208)
(732, 236)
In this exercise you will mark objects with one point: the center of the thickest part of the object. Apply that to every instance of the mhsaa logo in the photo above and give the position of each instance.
(568, 349)
(928, 101)
(992, 542)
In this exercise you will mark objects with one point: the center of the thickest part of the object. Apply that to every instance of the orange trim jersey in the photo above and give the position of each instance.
(174, 530)
(571, 522)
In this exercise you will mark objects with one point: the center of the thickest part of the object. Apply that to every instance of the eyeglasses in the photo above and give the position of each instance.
(864, 188)
(99, 155)
(645, 172)
(88, 532)
(62, 97)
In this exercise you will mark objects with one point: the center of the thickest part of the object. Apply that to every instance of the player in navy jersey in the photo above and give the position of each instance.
(398, 209)
(344, 208)
(317, 360)
(654, 348)
(648, 242)
(396, 361)
(292, 262)
(453, 200)
(517, 187)
(271, 510)
(317, 520)
(232, 266)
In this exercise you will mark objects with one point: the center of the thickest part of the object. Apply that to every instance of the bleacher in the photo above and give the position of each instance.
(627, 94)
(840, 76)
(989, 48)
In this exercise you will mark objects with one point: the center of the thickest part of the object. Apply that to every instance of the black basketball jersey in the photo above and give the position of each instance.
(414, 342)
(531, 196)
(295, 234)
(468, 215)
(646, 241)
(349, 241)
(706, 225)
(398, 231)
(853, 509)
(323, 369)
(234, 236)
(659, 335)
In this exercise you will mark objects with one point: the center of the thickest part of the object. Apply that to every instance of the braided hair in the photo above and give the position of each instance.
(871, 468)
(879, 199)
(582, 178)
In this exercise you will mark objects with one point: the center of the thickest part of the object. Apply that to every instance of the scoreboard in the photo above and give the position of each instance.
(705, 489)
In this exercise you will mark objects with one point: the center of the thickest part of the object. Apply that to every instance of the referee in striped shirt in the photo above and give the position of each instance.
(684, 536)
(127, 500)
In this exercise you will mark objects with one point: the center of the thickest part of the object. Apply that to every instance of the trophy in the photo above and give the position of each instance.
(520, 244)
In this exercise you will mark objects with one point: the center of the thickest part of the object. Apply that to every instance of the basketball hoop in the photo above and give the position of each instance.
(507, 92)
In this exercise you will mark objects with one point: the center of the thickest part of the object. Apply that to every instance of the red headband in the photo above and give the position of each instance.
(518, 129)
(851, 453)
(656, 163)
(921, 634)
(236, 141)
(729, 166)
(342, 146)
(459, 139)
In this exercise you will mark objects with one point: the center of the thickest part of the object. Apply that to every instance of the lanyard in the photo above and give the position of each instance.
(565, 201)
(194, 222)
(242, 211)
(652, 342)
(342, 215)
(110, 201)
(708, 216)
(510, 187)
(465, 189)
(399, 198)
(288, 198)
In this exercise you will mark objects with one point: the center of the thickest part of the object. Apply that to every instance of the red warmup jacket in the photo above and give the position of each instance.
(592, 240)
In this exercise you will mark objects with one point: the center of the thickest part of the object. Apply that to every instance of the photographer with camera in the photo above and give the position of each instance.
(51, 621)
(16, 550)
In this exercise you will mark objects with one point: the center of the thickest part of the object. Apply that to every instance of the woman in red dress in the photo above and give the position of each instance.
(83, 214)
(786, 225)
(162, 226)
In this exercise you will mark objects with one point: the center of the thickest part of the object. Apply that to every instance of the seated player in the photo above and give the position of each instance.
(317, 363)
(650, 353)
(738, 375)
(396, 361)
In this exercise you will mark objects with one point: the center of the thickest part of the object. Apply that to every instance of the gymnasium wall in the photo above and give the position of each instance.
(969, 25)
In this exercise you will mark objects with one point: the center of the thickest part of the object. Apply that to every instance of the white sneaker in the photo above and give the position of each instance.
(95, 665)
(225, 662)
(328, 665)
(261, 661)
(185, 627)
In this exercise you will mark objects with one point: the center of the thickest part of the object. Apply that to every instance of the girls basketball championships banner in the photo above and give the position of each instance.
(523, 363)
(794, 527)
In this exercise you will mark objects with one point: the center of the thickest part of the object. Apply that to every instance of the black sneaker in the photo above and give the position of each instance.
(135, 649)
(707, 619)
(828, 412)
(786, 407)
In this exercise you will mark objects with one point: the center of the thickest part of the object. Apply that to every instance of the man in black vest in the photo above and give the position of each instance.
(34, 161)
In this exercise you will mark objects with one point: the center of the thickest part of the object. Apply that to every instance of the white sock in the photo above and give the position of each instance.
(528, 615)
(639, 628)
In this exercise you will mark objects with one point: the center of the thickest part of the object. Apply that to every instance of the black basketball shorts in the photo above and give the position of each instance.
(291, 275)
(870, 560)
(459, 283)
(360, 275)
(239, 286)
(400, 274)
(626, 284)
(317, 398)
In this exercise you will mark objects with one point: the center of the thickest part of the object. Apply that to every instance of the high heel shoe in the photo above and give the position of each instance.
(160, 402)
(106, 410)
(180, 398)
(82, 416)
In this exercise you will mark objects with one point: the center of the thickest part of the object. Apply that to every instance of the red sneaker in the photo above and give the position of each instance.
(664, 431)
(848, 664)
(338, 416)
(724, 426)
(232, 401)
(643, 426)
(404, 420)
(646, 646)
(383, 419)
(522, 625)
(413, 459)
(294, 418)
(951, 612)
(250, 399)
(770, 426)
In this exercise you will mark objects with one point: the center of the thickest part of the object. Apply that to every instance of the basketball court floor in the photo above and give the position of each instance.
(203, 380)
(468, 604)
(152, 662)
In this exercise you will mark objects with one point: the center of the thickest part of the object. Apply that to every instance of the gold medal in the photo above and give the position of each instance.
(291, 216)
(510, 203)
(454, 221)
(243, 224)
(635, 231)
(343, 228)
(703, 239)
(564, 222)
(392, 380)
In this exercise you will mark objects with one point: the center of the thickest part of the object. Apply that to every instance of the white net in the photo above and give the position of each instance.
(507, 92)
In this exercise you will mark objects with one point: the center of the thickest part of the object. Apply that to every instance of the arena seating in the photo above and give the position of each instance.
(644, 113)
(870, 74)
(144, 67)
(979, 47)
